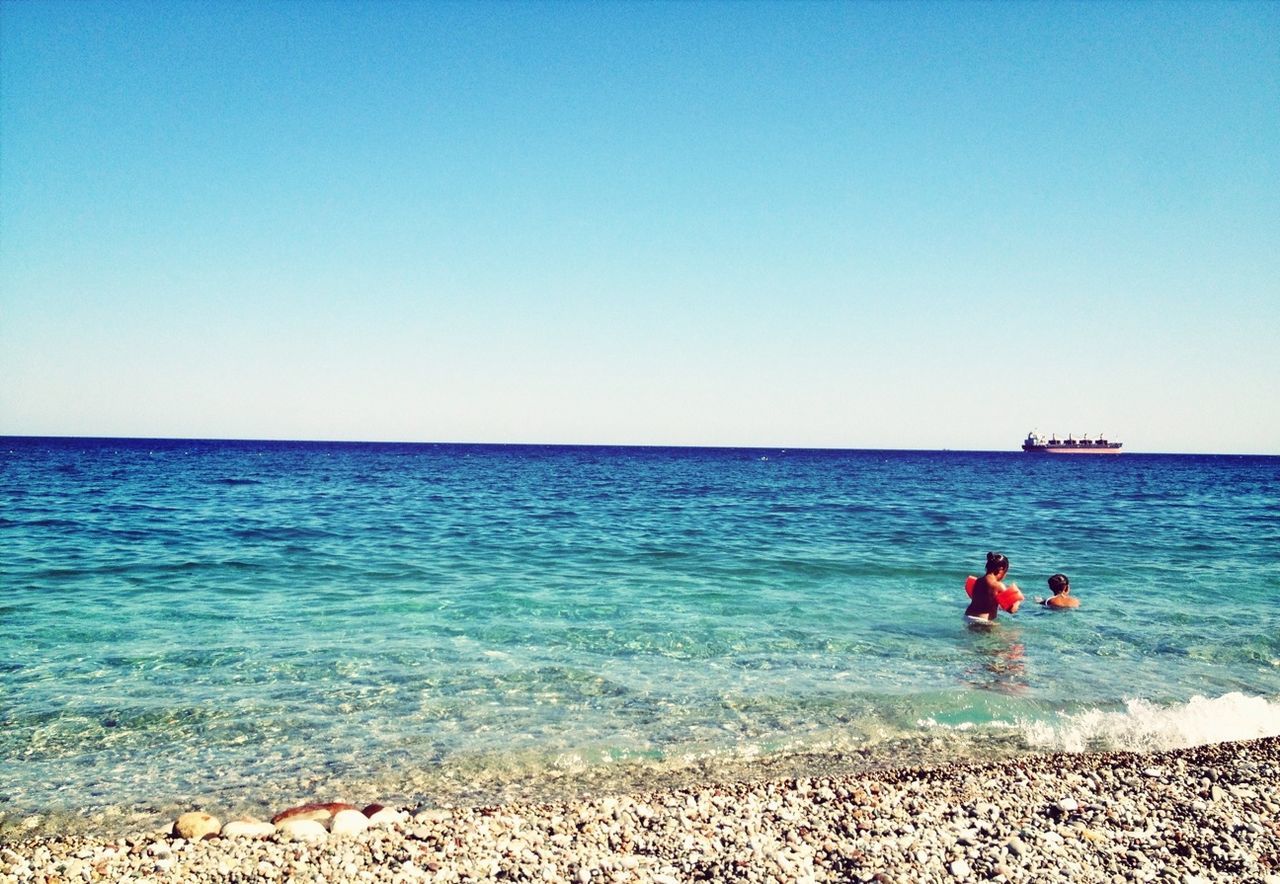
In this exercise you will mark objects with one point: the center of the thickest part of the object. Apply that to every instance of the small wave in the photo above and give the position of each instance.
(1144, 726)
(281, 534)
(47, 523)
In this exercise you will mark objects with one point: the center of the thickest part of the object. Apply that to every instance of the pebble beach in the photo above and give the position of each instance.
(1204, 814)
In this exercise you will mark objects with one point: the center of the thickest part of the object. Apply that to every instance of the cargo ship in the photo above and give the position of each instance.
(1037, 444)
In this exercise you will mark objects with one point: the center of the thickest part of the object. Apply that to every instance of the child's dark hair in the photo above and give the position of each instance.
(997, 562)
(1058, 583)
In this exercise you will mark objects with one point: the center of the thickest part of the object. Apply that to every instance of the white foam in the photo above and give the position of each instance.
(1146, 726)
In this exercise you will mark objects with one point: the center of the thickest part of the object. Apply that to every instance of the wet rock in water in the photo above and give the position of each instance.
(196, 825)
(321, 813)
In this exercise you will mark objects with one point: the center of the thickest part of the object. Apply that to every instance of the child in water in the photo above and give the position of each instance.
(985, 603)
(1061, 597)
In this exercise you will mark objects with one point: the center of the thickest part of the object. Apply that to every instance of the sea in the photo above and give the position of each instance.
(243, 626)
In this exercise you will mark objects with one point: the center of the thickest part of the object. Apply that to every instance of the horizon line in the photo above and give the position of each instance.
(691, 446)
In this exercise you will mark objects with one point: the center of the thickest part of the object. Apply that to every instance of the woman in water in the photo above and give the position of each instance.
(985, 604)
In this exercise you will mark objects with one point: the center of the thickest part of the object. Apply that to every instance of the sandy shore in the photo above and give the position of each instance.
(1205, 814)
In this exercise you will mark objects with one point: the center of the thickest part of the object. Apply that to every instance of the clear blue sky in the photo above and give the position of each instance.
(785, 224)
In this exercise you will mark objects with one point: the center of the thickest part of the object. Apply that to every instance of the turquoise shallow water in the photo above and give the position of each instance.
(243, 625)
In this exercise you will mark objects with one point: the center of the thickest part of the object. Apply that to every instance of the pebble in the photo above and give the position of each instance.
(386, 816)
(196, 825)
(301, 829)
(248, 829)
(348, 822)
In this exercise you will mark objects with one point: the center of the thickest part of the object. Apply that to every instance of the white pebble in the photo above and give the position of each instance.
(303, 830)
(348, 822)
(248, 829)
(387, 816)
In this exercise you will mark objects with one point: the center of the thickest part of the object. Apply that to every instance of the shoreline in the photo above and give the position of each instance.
(1204, 814)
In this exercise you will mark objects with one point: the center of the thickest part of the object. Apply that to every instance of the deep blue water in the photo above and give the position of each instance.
(240, 625)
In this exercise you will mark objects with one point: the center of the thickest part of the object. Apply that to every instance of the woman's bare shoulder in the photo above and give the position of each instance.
(1061, 602)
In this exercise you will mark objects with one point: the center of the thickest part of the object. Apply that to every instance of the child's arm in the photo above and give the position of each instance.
(1005, 593)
